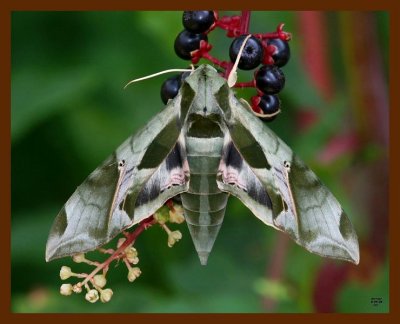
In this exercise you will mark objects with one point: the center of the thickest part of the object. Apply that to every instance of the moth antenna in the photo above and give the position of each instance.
(232, 78)
(247, 105)
(159, 73)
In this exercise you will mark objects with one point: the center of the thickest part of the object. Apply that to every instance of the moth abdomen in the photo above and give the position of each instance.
(204, 203)
(204, 214)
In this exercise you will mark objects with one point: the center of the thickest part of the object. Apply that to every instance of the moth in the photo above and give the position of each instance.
(204, 146)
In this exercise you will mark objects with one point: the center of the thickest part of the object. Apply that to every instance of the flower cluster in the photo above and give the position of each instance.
(94, 282)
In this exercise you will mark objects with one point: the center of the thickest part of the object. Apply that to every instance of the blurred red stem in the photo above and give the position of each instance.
(245, 22)
(275, 269)
(316, 50)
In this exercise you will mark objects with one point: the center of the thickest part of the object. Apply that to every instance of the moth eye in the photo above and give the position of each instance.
(121, 163)
(286, 164)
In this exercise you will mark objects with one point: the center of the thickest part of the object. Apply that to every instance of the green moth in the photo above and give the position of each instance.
(205, 145)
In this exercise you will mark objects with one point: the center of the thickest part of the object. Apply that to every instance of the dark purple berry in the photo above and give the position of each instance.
(270, 79)
(198, 21)
(187, 42)
(282, 54)
(269, 104)
(171, 86)
(252, 53)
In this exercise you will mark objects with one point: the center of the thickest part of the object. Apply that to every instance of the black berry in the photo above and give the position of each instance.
(171, 86)
(282, 54)
(269, 104)
(252, 53)
(198, 21)
(187, 42)
(270, 79)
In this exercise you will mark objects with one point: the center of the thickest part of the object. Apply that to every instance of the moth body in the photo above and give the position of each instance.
(204, 203)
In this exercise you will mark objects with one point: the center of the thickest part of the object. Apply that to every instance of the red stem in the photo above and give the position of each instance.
(130, 238)
(244, 29)
(214, 60)
(250, 84)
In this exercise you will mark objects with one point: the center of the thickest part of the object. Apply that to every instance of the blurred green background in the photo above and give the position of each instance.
(69, 111)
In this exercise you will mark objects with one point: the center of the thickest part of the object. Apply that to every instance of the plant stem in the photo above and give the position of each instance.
(131, 237)
(250, 84)
(244, 29)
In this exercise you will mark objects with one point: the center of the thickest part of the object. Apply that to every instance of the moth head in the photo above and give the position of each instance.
(199, 92)
(205, 74)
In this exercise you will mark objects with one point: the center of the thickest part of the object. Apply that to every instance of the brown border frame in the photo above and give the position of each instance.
(7, 6)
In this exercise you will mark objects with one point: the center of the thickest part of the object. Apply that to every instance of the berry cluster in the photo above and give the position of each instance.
(271, 50)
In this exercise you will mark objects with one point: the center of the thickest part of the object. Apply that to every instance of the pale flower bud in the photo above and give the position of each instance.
(92, 296)
(131, 255)
(100, 280)
(105, 295)
(176, 215)
(78, 258)
(65, 272)
(133, 260)
(77, 288)
(66, 289)
(133, 274)
(174, 237)
(131, 251)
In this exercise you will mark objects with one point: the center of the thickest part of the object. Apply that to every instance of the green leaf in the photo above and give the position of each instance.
(37, 95)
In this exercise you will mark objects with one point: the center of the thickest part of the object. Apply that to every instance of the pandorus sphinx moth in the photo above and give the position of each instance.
(204, 146)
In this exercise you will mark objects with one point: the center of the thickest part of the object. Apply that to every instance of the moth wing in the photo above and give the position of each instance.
(301, 205)
(113, 196)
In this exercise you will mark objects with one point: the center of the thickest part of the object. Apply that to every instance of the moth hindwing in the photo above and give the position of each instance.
(204, 145)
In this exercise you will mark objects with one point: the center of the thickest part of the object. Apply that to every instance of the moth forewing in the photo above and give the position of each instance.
(84, 223)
